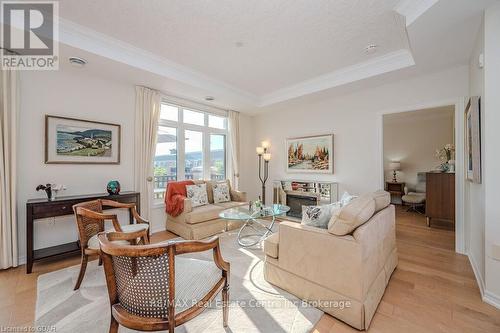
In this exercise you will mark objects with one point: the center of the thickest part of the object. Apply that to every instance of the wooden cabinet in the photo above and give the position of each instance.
(440, 200)
(42, 208)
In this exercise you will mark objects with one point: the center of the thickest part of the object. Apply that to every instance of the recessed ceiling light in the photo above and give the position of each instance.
(77, 61)
(238, 44)
(371, 48)
(209, 98)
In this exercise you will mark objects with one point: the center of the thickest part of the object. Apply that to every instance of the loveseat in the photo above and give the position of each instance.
(203, 221)
(341, 271)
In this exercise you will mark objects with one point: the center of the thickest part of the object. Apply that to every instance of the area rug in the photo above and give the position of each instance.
(256, 306)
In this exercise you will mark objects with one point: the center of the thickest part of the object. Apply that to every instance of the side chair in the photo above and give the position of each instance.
(152, 288)
(90, 221)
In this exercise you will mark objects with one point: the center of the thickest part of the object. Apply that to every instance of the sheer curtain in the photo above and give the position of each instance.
(234, 147)
(9, 104)
(147, 114)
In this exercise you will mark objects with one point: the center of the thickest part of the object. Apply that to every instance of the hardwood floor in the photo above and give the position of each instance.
(432, 290)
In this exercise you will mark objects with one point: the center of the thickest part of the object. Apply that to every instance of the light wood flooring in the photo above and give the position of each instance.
(432, 290)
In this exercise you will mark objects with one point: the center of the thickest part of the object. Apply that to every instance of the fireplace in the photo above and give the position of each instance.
(295, 202)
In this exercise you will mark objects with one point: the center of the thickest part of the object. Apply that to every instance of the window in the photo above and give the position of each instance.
(191, 145)
(216, 122)
(193, 149)
(193, 117)
(169, 112)
(217, 156)
(165, 163)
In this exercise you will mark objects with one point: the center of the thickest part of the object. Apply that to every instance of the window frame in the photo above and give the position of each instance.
(206, 133)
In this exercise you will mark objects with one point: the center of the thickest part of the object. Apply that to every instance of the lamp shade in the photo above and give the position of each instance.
(259, 150)
(395, 166)
(267, 157)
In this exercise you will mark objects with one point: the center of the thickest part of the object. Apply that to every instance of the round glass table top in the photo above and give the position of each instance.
(243, 213)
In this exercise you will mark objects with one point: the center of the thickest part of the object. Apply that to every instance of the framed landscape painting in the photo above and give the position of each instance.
(313, 154)
(76, 141)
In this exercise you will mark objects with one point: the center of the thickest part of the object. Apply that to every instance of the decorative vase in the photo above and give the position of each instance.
(113, 187)
(451, 166)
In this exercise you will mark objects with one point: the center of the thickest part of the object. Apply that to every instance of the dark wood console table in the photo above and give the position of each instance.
(43, 208)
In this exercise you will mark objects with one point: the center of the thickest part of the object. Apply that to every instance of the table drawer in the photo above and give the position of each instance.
(55, 209)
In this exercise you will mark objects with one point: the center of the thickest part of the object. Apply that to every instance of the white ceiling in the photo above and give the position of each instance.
(284, 42)
(290, 48)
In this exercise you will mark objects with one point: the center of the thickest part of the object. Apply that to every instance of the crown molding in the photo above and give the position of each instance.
(413, 9)
(81, 37)
(386, 63)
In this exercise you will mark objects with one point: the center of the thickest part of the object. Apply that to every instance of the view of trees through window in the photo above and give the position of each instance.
(191, 145)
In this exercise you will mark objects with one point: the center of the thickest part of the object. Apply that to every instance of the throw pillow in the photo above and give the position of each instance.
(221, 192)
(318, 216)
(197, 194)
(346, 198)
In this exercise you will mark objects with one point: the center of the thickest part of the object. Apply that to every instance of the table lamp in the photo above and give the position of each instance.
(394, 166)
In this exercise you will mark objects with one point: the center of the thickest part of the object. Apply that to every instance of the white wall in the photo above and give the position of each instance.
(491, 152)
(412, 139)
(356, 121)
(474, 193)
(70, 93)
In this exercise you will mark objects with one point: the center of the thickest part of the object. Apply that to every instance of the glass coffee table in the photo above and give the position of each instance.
(250, 220)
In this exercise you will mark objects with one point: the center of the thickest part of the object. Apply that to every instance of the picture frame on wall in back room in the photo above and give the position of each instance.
(473, 140)
(311, 154)
(78, 141)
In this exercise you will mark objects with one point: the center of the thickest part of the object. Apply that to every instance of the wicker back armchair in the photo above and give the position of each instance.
(90, 221)
(151, 289)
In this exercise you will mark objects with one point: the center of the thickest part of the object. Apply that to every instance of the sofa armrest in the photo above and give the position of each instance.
(188, 206)
(238, 196)
(331, 261)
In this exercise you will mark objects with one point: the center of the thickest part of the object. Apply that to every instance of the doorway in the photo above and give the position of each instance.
(421, 164)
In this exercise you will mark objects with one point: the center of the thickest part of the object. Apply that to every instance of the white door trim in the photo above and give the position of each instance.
(459, 158)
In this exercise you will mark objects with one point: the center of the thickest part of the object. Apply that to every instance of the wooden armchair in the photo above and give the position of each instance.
(90, 221)
(151, 288)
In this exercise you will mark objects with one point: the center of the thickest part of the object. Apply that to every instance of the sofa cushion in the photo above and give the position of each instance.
(318, 216)
(210, 190)
(231, 204)
(198, 214)
(197, 194)
(382, 200)
(221, 192)
(271, 245)
(345, 220)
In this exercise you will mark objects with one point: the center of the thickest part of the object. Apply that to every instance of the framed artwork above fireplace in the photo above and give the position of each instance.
(312, 154)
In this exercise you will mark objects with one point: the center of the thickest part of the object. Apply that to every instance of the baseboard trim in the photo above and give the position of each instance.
(477, 274)
(491, 299)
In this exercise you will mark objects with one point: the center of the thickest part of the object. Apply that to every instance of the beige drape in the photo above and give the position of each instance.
(147, 113)
(9, 104)
(234, 147)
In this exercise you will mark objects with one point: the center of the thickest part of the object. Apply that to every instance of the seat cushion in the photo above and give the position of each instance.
(230, 204)
(415, 198)
(345, 220)
(93, 243)
(202, 214)
(134, 227)
(271, 246)
(194, 278)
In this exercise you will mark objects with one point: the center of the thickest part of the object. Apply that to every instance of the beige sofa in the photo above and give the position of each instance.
(345, 276)
(203, 221)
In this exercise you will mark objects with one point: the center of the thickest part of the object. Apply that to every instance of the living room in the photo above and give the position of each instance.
(229, 103)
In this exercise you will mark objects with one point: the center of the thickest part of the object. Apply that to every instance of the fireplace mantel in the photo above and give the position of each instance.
(298, 193)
